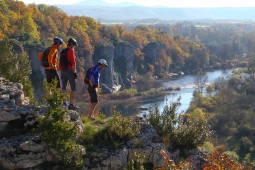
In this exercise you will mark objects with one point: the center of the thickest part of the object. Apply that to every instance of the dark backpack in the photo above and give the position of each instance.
(64, 59)
(44, 60)
(86, 79)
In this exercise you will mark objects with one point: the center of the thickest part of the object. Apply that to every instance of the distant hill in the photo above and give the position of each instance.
(103, 3)
(100, 10)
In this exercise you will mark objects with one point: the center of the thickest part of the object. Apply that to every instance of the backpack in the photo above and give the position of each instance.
(86, 79)
(63, 61)
(44, 59)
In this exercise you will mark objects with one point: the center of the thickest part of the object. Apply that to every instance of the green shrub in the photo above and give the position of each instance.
(111, 132)
(186, 131)
(123, 127)
(57, 132)
(136, 163)
(16, 68)
(232, 155)
(208, 147)
(124, 94)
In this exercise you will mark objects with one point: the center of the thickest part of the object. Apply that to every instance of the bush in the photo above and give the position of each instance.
(123, 127)
(216, 160)
(57, 132)
(136, 163)
(16, 68)
(186, 131)
(113, 132)
(127, 93)
(232, 155)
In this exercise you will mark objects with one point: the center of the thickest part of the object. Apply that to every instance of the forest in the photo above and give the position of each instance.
(189, 47)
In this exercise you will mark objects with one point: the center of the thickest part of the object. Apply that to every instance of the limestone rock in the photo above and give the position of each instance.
(22, 152)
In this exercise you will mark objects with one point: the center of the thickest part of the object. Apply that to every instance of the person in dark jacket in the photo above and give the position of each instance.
(67, 66)
(94, 76)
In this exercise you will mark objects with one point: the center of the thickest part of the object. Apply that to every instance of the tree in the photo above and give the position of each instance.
(15, 68)
(201, 81)
(28, 26)
(251, 69)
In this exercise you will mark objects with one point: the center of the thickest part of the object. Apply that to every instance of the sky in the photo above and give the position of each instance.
(169, 3)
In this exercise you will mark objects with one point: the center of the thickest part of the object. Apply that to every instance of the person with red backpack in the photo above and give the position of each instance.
(49, 60)
(67, 66)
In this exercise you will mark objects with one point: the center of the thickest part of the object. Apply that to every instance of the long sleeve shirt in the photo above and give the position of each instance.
(95, 75)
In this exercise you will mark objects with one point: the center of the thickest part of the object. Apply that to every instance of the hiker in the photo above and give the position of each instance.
(93, 84)
(50, 58)
(67, 65)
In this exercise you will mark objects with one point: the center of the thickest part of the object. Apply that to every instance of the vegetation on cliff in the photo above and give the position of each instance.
(231, 112)
(58, 132)
(15, 67)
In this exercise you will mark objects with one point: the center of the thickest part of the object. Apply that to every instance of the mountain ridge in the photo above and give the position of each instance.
(100, 3)
(117, 13)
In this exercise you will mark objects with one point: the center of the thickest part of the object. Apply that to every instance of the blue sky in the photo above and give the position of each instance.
(169, 3)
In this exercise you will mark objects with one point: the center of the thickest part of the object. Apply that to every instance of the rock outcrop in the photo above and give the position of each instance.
(24, 151)
(147, 144)
(18, 147)
(123, 62)
(106, 52)
(13, 92)
(154, 52)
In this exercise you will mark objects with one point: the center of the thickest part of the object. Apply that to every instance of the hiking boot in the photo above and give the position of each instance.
(64, 104)
(72, 107)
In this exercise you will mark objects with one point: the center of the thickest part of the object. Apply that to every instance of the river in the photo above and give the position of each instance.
(187, 84)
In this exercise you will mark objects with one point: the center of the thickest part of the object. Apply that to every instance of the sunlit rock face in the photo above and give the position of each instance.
(106, 52)
(123, 62)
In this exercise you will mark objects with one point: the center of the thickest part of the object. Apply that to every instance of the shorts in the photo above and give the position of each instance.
(93, 94)
(51, 75)
(68, 76)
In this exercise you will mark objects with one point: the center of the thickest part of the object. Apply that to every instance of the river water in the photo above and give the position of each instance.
(187, 84)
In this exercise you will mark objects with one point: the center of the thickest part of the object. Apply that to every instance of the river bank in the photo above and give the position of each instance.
(187, 84)
(130, 105)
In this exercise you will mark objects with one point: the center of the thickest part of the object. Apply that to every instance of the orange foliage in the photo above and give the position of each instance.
(215, 161)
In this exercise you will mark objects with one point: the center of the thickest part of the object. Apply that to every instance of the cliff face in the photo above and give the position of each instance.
(153, 52)
(19, 146)
(120, 60)
(106, 52)
(123, 62)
